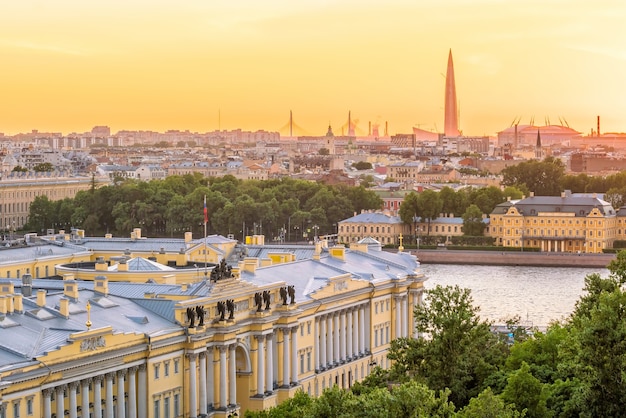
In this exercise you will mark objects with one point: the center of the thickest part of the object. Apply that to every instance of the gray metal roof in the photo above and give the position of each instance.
(262, 251)
(373, 217)
(310, 275)
(581, 206)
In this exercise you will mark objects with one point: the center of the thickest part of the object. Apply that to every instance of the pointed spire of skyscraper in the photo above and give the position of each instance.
(451, 122)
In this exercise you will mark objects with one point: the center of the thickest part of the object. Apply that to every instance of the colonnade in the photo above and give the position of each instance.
(122, 404)
(341, 336)
(402, 316)
(204, 393)
(552, 246)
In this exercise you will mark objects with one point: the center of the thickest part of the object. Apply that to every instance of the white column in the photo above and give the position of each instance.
(132, 392)
(415, 304)
(405, 316)
(368, 328)
(232, 374)
(342, 336)
(47, 403)
(142, 391)
(349, 335)
(355, 332)
(210, 373)
(294, 355)
(269, 367)
(97, 397)
(318, 339)
(286, 348)
(336, 355)
(202, 383)
(73, 401)
(398, 311)
(323, 345)
(121, 410)
(108, 407)
(329, 340)
(60, 399)
(193, 390)
(84, 396)
(223, 380)
(275, 360)
(362, 348)
(260, 365)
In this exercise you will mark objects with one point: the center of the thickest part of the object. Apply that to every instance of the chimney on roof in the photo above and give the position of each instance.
(101, 265)
(64, 307)
(70, 290)
(532, 194)
(101, 285)
(563, 194)
(27, 285)
(18, 303)
(41, 298)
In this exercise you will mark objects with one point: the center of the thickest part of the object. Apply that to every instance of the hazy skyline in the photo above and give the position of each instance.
(70, 65)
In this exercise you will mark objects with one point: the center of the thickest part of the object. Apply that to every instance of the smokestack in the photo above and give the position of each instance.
(369, 128)
(386, 129)
(515, 140)
(598, 125)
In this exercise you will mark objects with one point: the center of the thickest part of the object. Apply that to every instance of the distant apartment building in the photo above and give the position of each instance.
(238, 169)
(593, 162)
(462, 144)
(18, 190)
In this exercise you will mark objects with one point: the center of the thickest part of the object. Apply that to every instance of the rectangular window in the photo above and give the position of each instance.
(308, 328)
(29, 406)
(16, 409)
(176, 366)
(157, 408)
(376, 338)
(156, 371)
(176, 404)
(166, 407)
(166, 368)
(308, 361)
(301, 363)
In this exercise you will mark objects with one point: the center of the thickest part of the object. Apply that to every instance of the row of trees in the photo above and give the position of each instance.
(463, 369)
(548, 178)
(286, 207)
(469, 203)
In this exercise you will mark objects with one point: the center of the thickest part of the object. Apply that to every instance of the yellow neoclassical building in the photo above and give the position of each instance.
(246, 337)
(567, 223)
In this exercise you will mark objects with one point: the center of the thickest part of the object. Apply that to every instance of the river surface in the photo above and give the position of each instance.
(539, 295)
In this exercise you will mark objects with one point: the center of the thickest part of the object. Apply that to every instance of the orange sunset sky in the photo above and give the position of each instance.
(69, 65)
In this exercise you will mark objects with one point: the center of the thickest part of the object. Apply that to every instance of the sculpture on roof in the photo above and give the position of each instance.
(200, 312)
(291, 289)
(221, 309)
(266, 299)
(221, 271)
(191, 317)
(258, 301)
(230, 305)
(283, 294)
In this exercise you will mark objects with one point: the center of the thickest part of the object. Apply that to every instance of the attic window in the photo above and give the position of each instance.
(582, 212)
(533, 212)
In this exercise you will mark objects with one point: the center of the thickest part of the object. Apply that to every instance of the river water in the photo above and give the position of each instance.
(539, 295)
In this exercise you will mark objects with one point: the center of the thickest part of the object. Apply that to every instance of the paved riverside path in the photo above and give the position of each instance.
(511, 258)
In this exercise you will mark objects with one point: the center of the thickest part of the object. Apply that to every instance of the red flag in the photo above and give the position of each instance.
(206, 213)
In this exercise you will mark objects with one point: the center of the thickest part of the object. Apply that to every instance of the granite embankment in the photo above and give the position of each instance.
(498, 258)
